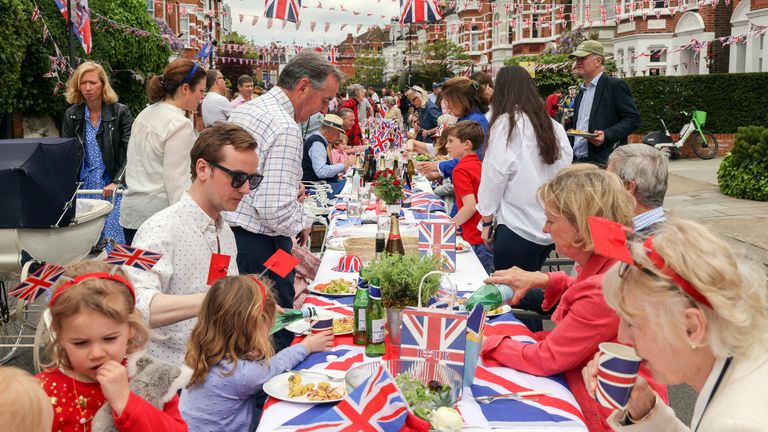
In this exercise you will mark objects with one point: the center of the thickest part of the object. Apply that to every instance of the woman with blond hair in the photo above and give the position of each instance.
(157, 172)
(696, 313)
(583, 318)
(103, 127)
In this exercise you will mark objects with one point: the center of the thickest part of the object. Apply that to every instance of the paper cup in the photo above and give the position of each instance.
(616, 371)
(321, 325)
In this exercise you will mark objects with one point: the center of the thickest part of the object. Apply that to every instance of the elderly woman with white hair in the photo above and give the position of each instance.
(697, 314)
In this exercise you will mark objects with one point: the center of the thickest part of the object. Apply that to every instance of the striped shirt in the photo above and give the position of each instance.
(272, 209)
(580, 146)
(651, 217)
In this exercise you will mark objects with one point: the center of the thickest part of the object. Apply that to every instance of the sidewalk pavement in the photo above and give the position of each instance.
(694, 194)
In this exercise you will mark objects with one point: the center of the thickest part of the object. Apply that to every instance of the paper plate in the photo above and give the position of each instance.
(277, 386)
(465, 247)
(504, 309)
(303, 326)
(336, 244)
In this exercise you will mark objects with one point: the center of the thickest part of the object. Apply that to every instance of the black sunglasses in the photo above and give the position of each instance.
(239, 177)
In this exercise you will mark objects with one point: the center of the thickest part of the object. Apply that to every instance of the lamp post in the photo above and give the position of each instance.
(71, 34)
(410, 56)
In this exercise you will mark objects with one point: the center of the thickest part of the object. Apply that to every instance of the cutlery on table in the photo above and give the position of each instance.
(530, 395)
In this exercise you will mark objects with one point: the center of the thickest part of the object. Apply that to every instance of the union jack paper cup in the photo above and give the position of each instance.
(349, 264)
(616, 371)
(321, 325)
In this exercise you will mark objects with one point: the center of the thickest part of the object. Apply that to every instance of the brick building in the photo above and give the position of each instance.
(196, 21)
(346, 52)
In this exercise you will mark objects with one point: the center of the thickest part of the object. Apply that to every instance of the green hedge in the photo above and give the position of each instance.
(743, 172)
(730, 100)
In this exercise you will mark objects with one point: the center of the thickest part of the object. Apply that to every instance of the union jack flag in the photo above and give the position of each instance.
(436, 336)
(415, 11)
(38, 283)
(376, 403)
(427, 204)
(397, 140)
(287, 10)
(133, 257)
(439, 238)
(332, 55)
(380, 138)
(82, 22)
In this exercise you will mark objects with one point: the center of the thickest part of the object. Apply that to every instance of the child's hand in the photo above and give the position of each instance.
(113, 378)
(319, 341)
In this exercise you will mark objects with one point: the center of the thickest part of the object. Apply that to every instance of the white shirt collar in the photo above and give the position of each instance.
(594, 81)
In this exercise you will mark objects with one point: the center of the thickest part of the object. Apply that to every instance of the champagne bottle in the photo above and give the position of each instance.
(490, 296)
(394, 242)
(382, 162)
(374, 321)
(359, 306)
(411, 170)
(396, 167)
(292, 315)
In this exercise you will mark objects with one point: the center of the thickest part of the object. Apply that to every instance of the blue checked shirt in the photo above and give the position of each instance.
(272, 209)
(644, 220)
(580, 147)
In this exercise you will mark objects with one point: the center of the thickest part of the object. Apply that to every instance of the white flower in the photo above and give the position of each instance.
(446, 419)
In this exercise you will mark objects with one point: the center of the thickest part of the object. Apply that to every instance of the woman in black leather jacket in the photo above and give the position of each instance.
(103, 127)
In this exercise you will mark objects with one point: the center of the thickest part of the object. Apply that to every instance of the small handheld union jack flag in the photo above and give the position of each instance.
(133, 257)
(38, 283)
(380, 140)
(375, 405)
(438, 238)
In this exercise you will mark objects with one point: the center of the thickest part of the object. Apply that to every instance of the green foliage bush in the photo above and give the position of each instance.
(128, 58)
(743, 173)
(730, 100)
(550, 81)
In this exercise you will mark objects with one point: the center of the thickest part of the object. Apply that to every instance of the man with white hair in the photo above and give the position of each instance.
(644, 171)
(428, 113)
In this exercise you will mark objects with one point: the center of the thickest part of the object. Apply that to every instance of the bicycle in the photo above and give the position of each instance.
(704, 143)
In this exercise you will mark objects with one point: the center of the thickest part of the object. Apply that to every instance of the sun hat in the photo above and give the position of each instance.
(333, 121)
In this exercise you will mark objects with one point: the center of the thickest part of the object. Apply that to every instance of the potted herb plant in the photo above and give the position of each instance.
(399, 277)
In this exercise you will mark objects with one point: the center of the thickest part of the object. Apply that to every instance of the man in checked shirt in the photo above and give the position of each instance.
(269, 217)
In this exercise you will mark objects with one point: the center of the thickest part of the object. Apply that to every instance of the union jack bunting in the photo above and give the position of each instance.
(133, 257)
(439, 238)
(82, 22)
(416, 11)
(332, 55)
(287, 10)
(436, 336)
(376, 403)
(38, 283)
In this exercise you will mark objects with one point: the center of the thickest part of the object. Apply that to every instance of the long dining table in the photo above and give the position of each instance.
(556, 411)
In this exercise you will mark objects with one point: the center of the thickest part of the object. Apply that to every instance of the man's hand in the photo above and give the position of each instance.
(599, 139)
(113, 378)
(303, 237)
(426, 167)
(302, 192)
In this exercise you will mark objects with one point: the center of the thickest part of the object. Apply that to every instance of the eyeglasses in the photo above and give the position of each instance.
(239, 178)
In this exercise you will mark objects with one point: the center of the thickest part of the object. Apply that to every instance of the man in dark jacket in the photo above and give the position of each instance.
(604, 107)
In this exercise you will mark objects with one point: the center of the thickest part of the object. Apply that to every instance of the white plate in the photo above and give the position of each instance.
(466, 247)
(336, 244)
(322, 293)
(303, 326)
(504, 309)
(277, 386)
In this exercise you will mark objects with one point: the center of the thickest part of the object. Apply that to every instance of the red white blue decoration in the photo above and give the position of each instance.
(380, 140)
(287, 10)
(436, 336)
(82, 22)
(416, 11)
(375, 405)
(615, 379)
(133, 257)
(38, 283)
(438, 238)
(332, 55)
(349, 264)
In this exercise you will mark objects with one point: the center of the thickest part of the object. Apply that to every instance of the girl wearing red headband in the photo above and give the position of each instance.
(95, 326)
(230, 351)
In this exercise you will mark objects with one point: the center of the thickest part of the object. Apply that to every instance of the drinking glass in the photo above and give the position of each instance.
(354, 212)
(365, 197)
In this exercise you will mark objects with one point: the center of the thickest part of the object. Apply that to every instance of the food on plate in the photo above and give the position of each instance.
(336, 286)
(323, 392)
(424, 158)
(461, 246)
(578, 132)
(423, 398)
(497, 311)
(343, 325)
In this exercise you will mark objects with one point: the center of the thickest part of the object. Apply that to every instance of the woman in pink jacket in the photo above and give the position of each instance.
(583, 318)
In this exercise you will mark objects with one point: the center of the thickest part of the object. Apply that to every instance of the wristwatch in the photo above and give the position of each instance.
(487, 224)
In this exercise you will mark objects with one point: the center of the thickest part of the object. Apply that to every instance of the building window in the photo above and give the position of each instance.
(474, 39)
(184, 28)
(660, 4)
(619, 58)
(151, 6)
(658, 54)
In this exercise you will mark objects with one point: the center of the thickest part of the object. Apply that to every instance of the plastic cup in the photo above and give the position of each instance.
(321, 325)
(616, 371)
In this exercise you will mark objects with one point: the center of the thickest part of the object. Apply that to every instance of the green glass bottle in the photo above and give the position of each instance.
(359, 306)
(292, 315)
(374, 321)
(490, 296)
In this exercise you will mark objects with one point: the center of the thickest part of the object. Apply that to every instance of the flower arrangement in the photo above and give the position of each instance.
(387, 186)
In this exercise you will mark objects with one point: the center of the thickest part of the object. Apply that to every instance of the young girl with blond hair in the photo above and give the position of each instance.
(95, 327)
(231, 355)
(25, 405)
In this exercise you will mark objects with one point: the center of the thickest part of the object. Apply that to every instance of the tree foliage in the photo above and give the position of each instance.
(551, 80)
(369, 69)
(441, 59)
(128, 58)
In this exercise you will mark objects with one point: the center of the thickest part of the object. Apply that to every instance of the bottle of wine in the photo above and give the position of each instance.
(396, 167)
(490, 296)
(292, 315)
(381, 242)
(374, 322)
(411, 170)
(371, 167)
(359, 306)
(394, 242)
(365, 171)
(382, 162)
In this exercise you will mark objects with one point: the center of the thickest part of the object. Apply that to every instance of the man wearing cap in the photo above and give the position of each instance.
(428, 113)
(436, 87)
(316, 163)
(604, 106)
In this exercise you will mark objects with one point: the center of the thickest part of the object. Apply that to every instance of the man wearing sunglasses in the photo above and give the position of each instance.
(270, 217)
(197, 245)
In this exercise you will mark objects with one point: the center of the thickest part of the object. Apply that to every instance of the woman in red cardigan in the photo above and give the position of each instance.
(583, 318)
